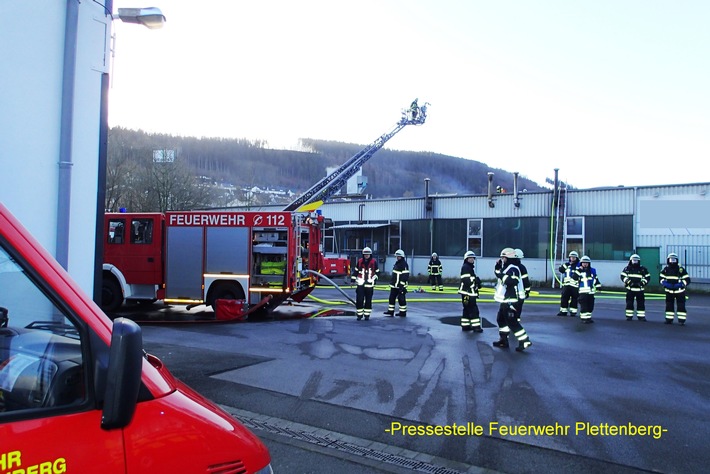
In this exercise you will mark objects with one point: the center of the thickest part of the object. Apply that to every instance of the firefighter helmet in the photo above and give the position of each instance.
(519, 253)
(367, 251)
(434, 255)
(635, 257)
(672, 256)
(399, 253)
(469, 254)
(585, 259)
(573, 254)
(508, 252)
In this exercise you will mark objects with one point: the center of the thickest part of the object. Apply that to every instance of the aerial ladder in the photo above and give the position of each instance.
(328, 186)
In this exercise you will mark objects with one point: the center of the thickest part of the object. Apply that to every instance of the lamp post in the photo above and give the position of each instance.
(152, 18)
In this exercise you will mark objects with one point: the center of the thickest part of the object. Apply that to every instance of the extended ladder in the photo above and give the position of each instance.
(560, 233)
(329, 185)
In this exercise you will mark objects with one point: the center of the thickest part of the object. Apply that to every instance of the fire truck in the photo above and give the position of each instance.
(199, 257)
(78, 394)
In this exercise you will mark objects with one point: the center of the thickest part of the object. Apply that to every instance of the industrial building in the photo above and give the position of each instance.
(607, 224)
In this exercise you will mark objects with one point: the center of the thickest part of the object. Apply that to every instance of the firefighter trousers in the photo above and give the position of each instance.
(470, 317)
(675, 304)
(640, 299)
(508, 322)
(363, 301)
(569, 299)
(398, 295)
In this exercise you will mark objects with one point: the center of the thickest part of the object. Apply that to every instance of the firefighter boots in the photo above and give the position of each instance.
(388, 313)
(503, 342)
(402, 314)
(523, 345)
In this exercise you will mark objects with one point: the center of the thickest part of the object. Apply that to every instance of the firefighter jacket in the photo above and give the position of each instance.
(509, 288)
(527, 286)
(435, 267)
(569, 273)
(470, 283)
(400, 274)
(635, 277)
(674, 278)
(498, 270)
(365, 272)
(588, 280)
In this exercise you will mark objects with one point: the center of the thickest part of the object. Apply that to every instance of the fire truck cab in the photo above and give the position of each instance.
(78, 393)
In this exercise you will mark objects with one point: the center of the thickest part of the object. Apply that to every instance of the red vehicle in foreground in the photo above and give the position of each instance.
(78, 394)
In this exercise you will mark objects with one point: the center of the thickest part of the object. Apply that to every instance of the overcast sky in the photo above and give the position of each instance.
(611, 92)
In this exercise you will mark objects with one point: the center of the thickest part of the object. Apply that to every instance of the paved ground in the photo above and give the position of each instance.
(323, 389)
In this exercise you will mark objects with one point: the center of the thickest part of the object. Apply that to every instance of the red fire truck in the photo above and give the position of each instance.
(78, 394)
(199, 257)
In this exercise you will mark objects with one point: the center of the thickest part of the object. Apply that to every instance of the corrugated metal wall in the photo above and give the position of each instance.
(444, 207)
(587, 202)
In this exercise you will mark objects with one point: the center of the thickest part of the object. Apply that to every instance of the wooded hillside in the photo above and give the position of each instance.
(244, 164)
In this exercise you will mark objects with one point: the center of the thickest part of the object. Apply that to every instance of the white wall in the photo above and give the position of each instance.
(32, 58)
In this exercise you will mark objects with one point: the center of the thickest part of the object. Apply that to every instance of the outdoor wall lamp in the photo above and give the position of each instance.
(150, 17)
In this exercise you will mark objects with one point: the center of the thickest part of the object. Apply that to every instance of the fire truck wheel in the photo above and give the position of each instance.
(111, 295)
(225, 291)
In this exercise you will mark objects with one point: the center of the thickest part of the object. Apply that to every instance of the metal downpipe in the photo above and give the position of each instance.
(66, 132)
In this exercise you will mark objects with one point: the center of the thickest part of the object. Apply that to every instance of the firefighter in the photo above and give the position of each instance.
(674, 279)
(635, 277)
(588, 285)
(414, 108)
(509, 291)
(435, 269)
(470, 283)
(570, 285)
(365, 276)
(398, 285)
(525, 278)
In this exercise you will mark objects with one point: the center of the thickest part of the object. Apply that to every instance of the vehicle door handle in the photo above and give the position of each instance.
(150, 259)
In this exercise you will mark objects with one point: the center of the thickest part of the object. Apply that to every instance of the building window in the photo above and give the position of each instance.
(608, 237)
(474, 237)
(416, 237)
(449, 237)
(394, 237)
(531, 234)
(574, 235)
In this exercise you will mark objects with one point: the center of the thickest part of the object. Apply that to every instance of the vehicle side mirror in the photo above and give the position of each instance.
(123, 377)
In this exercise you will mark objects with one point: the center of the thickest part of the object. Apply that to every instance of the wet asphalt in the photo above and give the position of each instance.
(328, 393)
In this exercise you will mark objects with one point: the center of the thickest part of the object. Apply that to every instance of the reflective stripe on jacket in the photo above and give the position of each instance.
(588, 281)
(635, 277)
(469, 281)
(674, 279)
(569, 273)
(400, 274)
(435, 267)
(366, 272)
